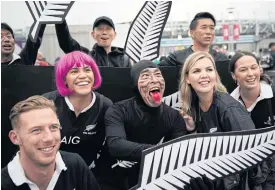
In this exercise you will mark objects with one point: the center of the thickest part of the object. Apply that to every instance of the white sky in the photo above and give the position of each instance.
(17, 15)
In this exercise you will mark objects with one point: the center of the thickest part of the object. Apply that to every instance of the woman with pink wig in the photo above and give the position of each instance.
(80, 110)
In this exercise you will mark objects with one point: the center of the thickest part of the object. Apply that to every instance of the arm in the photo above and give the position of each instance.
(29, 52)
(236, 119)
(171, 60)
(86, 177)
(179, 127)
(65, 40)
(117, 142)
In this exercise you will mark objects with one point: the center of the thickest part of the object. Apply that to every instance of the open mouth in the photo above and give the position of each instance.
(104, 39)
(8, 47)
(204, 82)
(251, 80)
(84, 83)
(155, 94)
(47, 149)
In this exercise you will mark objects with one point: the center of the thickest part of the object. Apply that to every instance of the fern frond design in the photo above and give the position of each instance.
(144, 36)
(171, 165)
(47, 12)
(173, 100)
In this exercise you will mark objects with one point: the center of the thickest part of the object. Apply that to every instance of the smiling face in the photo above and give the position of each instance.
(247, 72)
(151, 86)
(80, 80)
(202, 76)
(204, 32)
(38, 135)
(104, 35)
(7, 42)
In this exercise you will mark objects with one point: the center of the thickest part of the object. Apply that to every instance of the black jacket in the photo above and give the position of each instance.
(116, 58)
(261, 116)
(77, 176)
(28, 54)
(225, 114)
(178, 58)
(132, 126)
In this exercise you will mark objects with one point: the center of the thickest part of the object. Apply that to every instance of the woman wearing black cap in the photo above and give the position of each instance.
(257, 95)
(141, 122)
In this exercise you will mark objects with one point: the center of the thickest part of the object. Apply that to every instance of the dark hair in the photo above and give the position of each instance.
(271, 44)
(199, 16)
(240, 54)
(5, 26)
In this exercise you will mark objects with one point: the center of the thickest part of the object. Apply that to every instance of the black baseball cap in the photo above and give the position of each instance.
(5, 26)
(104, 19)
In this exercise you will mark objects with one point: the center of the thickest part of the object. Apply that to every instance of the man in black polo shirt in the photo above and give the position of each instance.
(202, 30)
(39, 164)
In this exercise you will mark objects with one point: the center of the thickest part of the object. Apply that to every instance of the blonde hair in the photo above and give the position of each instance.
(32, 103)
(185, 89)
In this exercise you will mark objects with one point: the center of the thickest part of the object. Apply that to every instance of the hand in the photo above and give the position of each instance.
(199, 183)
(189, 122)
(124, 164)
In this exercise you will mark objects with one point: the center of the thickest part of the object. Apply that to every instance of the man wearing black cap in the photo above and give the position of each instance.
(202, 30)
(140, 122)
(27, 55)
(103, 53)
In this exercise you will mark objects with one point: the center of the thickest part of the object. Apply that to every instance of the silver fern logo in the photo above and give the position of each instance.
(216, 155)
(143, 40)
(44, 12)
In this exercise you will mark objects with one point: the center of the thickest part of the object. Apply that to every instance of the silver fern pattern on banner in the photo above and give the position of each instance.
(47, 12)
(144, 35)
(173, 100)
(171, 165)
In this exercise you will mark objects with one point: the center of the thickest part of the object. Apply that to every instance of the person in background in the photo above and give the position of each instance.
(202, 31)
(40, 60)
(102, 52)
(27, 55)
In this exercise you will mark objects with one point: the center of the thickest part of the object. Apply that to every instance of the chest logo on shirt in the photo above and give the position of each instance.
(212, 130)
(70, 140)
(88, 130)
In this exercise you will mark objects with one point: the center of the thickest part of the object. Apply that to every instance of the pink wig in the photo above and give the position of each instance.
(69, 61)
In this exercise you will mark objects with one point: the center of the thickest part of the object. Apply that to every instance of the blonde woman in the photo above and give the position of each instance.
(207, 107)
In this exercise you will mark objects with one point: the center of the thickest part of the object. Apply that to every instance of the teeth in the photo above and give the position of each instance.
(251, 80)
(155, 89)
(82, 83)
(47, 149)
(205, 82)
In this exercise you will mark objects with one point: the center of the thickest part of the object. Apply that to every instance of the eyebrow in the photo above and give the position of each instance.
(39, 126)
(144, 71)
(248, 66)
(208, 25)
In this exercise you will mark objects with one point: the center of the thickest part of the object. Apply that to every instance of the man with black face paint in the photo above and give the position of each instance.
(141, 122)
